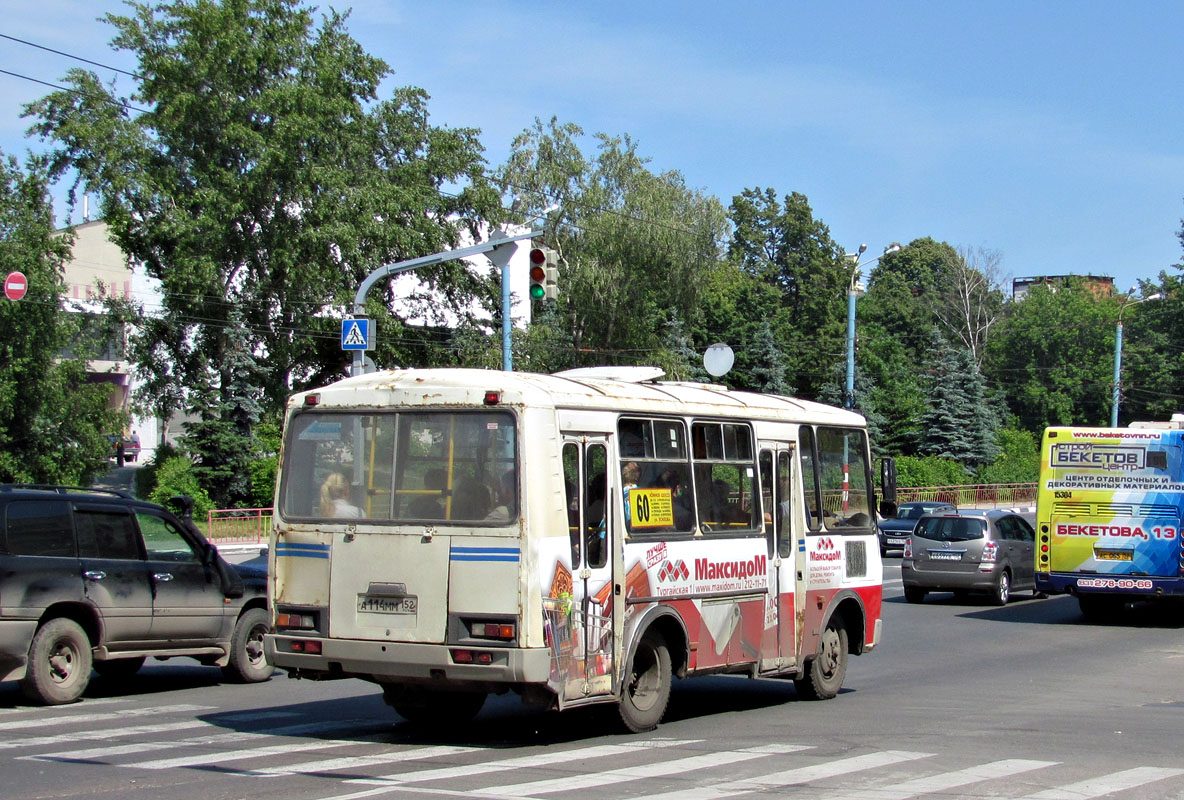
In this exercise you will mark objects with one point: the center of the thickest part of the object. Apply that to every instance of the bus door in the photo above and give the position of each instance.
(587, 667)
(786, 594)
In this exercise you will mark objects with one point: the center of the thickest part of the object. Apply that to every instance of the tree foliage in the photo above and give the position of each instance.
(636, 247)
(263, 174)
(52, 419)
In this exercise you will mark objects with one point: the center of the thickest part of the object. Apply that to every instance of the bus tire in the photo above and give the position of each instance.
(1099, 607)
(826, 671)
(59, 663)
(433, 709)
(646, 690)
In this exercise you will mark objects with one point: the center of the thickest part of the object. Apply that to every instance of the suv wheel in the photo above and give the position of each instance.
(59, 663)
(247, 663)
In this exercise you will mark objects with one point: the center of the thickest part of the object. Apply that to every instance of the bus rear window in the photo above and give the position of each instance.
(443, 467)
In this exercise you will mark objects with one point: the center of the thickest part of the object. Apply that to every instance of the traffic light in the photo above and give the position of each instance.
(538, 273)
(544, 274)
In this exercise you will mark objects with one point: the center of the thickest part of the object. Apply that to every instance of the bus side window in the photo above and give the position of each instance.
(810, 499)
(571, 485)
(596, 514)
(784, 504)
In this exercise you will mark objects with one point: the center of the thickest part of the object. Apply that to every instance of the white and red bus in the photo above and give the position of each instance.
(577, 538)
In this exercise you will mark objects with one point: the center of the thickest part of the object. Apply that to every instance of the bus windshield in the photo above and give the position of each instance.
(445, 467)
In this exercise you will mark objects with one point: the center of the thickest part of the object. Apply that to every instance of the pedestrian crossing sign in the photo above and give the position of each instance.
(356, 334)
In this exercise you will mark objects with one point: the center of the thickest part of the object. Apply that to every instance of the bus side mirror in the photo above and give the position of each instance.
(888, 505)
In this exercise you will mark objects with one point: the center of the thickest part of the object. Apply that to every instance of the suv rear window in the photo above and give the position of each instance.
(39, 528)
(950, 529)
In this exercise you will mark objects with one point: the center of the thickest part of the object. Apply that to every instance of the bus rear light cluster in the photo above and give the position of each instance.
(305, 646)
(493, 630)
(471, 657)
(297, 621)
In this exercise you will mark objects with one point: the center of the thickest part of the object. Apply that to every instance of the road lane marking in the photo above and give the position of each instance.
(352, 762)
(99, 735)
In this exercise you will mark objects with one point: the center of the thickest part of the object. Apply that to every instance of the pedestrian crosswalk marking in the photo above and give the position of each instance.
(109, 716)
(623, 775)
(558, 772)
(790, 777)
(547, 759)
(105, 733)
(946, 781)
(1107, 784)
(138, 748)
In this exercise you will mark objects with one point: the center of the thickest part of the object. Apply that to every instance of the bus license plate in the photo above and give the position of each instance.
(387, 605)
(1113, 555)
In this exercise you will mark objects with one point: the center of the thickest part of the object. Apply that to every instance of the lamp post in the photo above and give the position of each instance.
(853, 291)
(1118, 355)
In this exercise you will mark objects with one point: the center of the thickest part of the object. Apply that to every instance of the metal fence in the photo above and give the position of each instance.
(238, 525)
(992, 495)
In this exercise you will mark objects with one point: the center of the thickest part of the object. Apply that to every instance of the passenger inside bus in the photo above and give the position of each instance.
(335, 498)
(505, 509)
(471, 500)
(430, 506)
(630, 475)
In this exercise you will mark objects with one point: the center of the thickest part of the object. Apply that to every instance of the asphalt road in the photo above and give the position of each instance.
(961, 700)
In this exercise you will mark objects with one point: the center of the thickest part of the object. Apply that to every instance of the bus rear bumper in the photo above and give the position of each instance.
(1078, 583)
(401, 662)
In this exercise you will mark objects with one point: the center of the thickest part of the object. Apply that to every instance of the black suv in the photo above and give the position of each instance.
(95, 578)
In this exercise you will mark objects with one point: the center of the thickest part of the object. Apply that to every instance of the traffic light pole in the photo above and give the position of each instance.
(496, 247)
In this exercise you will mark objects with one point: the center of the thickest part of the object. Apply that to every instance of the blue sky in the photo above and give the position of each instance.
(1049, 132)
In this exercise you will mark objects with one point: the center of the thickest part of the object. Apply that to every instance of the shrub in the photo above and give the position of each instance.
(175, 476)
(929, 471)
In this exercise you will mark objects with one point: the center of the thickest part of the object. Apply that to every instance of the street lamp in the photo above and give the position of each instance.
(1118, 355)
(853, 291)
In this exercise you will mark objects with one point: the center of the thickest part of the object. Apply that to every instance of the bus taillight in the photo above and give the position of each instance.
(493, 630)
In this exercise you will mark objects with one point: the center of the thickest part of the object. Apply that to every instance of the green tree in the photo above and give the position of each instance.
(785, 247)
(263, 174)
(636, 248)
(958, 423)
(1054, 354)
(1153, 339)
(1018, 460)
(52, 418)
(221, 439)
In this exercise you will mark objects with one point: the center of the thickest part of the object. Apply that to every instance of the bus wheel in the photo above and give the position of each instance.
(647, 684)
(825, 673)
(435, 709)
(1099, 607)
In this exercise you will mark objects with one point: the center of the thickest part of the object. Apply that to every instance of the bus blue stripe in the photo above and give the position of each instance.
(302, 551)
(508, 554)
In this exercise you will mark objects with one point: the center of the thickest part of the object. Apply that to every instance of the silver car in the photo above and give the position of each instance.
(970, 551)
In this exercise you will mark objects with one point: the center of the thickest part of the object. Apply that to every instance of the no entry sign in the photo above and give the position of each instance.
(15, 285)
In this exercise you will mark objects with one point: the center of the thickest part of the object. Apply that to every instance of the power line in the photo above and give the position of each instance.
(69, 55)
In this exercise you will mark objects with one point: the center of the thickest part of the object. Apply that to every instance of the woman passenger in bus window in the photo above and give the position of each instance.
(335, 498)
